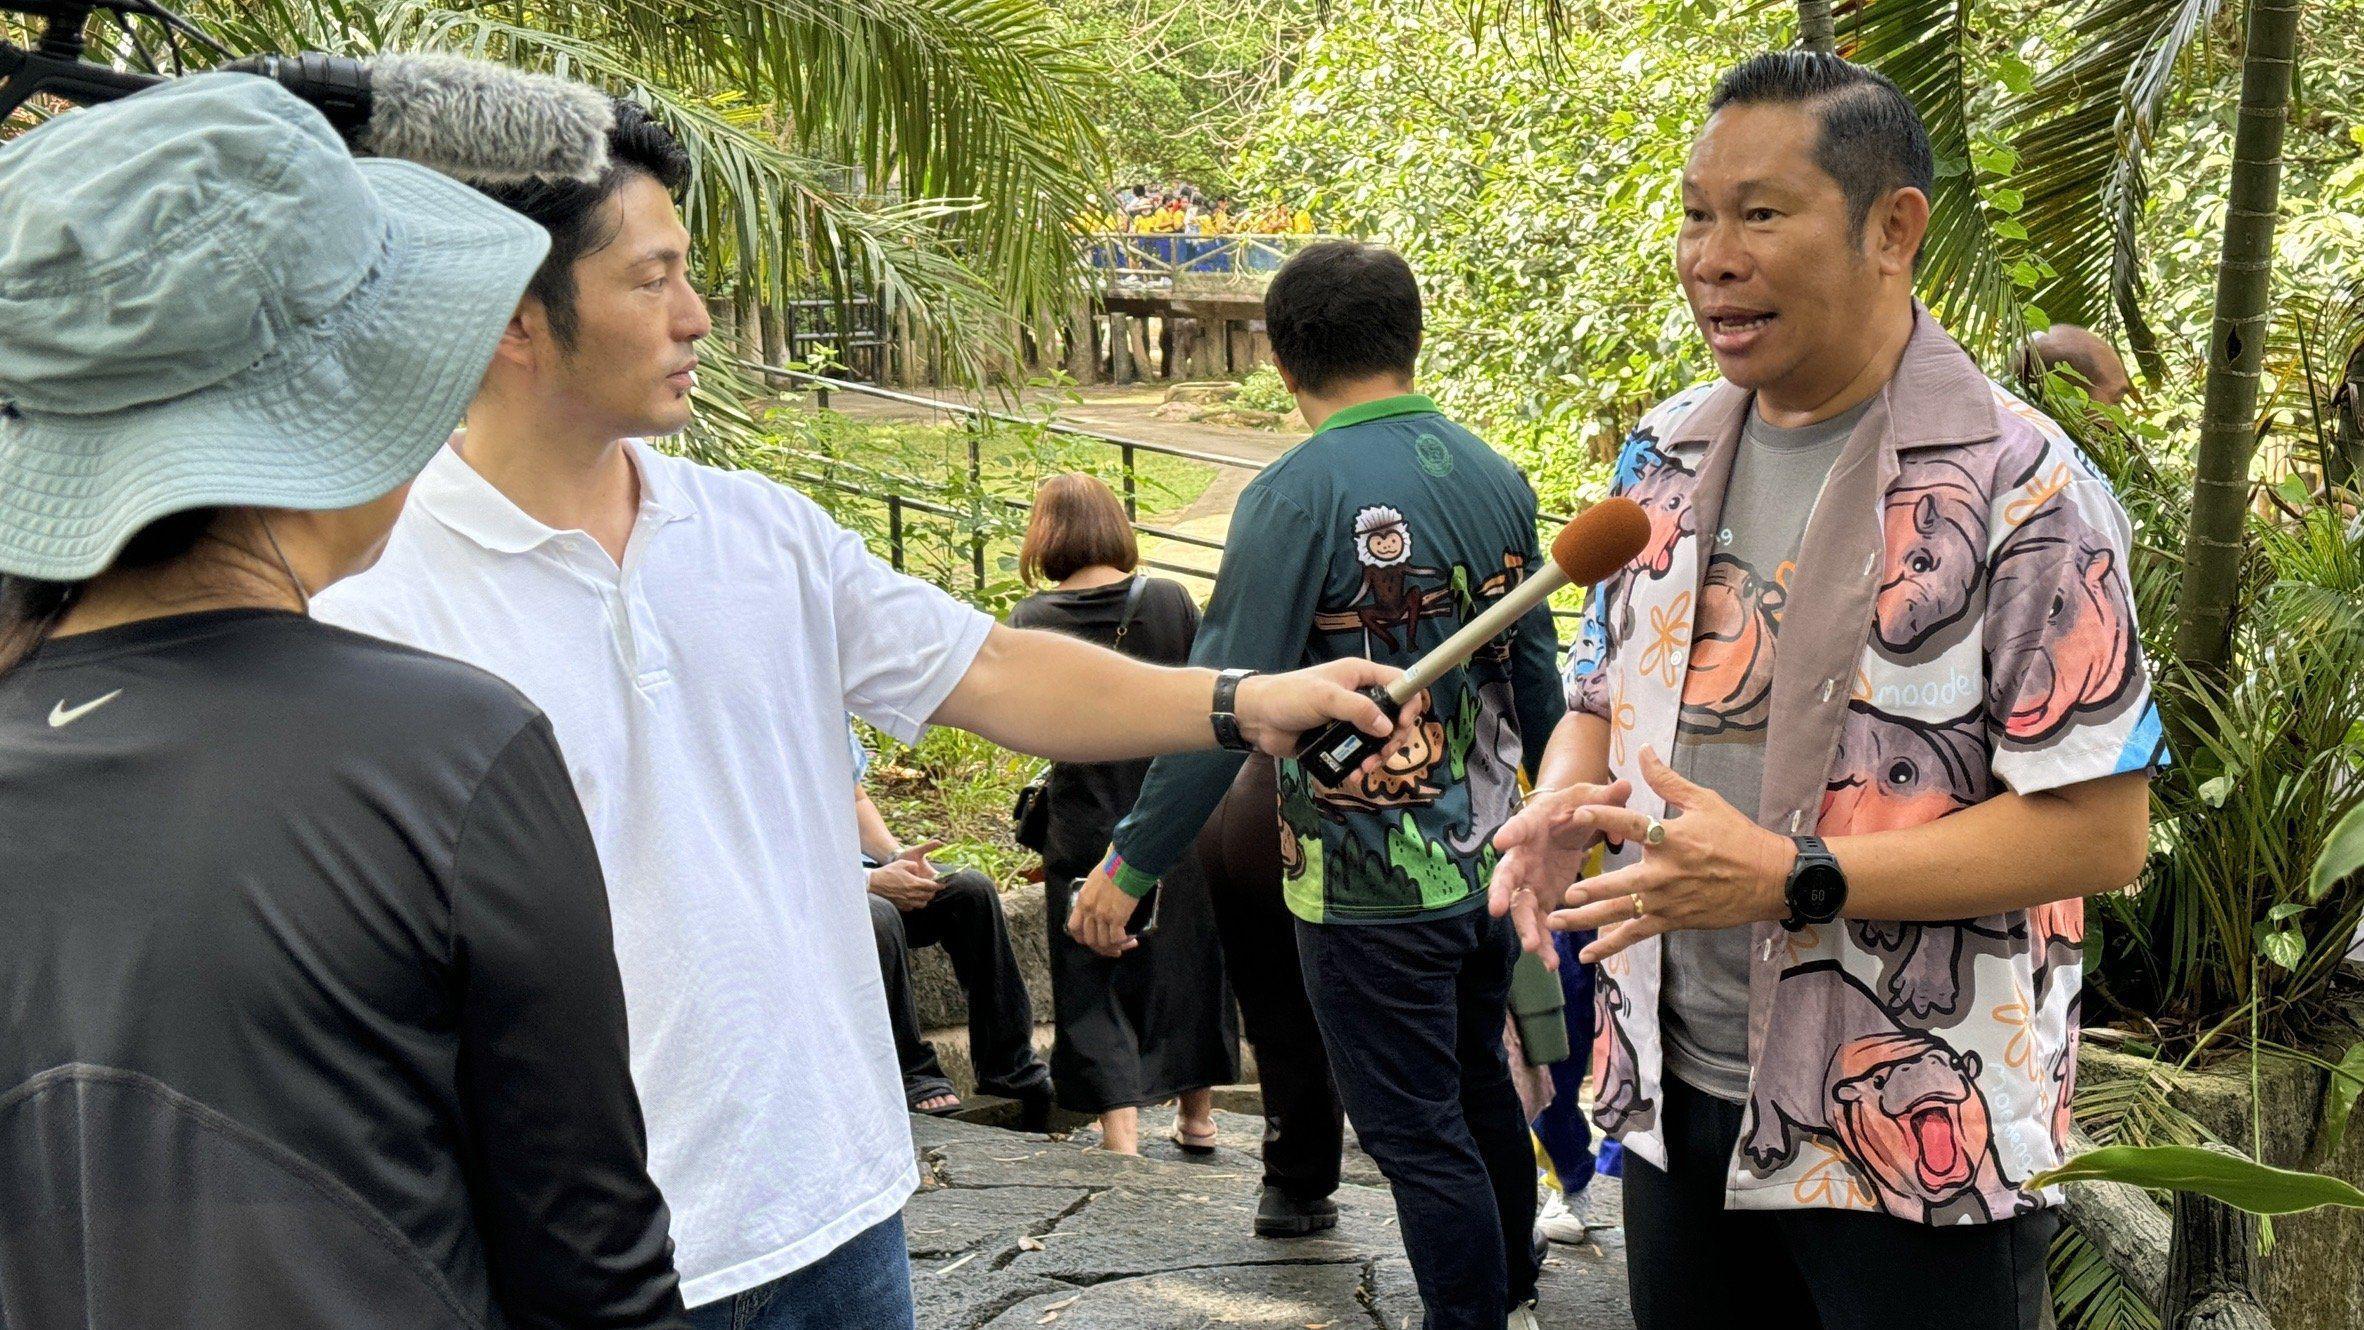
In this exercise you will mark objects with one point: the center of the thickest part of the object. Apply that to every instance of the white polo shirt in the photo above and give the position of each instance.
(700, 696)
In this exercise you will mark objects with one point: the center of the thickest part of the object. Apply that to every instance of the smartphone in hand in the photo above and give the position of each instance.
(1144, 920)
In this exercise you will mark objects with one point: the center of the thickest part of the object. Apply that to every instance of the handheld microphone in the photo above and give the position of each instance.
(473, 120)
(1599, 541)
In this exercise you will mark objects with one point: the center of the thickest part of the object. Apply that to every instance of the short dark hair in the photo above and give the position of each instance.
(1873, 141)
(572, 211)
(1077, 523)
(1340, 310)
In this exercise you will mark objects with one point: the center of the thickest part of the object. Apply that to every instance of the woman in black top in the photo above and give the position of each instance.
(1157, 1022)
(312, 1017)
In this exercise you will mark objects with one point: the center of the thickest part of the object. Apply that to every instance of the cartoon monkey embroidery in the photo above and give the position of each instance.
(1292, 852)
(1399, 781)
(1388, 600)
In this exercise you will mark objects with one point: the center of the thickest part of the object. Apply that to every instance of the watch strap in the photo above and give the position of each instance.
(1811, 852)
(1224, 715)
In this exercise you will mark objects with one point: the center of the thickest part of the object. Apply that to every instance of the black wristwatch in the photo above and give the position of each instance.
(1817, 889)
(1225, 716)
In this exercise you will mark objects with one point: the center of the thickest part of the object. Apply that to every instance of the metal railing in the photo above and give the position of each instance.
(854, 330)
(1128, 451)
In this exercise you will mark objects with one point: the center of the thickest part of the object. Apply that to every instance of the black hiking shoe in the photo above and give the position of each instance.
(1280, 1215)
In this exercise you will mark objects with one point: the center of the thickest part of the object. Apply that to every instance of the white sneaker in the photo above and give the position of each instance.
(1523, 1318)
(1558, 1222)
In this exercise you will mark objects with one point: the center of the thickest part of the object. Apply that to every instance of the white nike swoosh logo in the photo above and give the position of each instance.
(62, 715)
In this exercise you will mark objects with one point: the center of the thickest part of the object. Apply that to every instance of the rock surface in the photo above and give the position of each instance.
(1014, 1231)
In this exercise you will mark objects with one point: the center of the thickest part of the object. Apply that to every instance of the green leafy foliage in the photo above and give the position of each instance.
(2088, 1293)
(2342, 856)
(955, 787)
(961, 491)
(2244, 1184)
(1262, 390)
(2229, 918)
(1185, 79)
(2339, 1099)
(1532, 184)
(975, 110)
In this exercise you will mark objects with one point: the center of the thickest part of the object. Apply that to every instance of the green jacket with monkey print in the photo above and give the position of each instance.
(1379, 536)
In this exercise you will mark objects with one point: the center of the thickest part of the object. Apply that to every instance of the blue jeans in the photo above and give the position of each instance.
(1411, 1012)
(866, 1283)
(1566, 1136)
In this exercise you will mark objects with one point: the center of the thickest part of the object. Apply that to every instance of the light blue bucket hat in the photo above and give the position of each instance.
(206, 299)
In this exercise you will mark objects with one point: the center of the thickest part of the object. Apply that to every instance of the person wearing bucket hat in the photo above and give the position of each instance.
(312, 1016)
(697, 637)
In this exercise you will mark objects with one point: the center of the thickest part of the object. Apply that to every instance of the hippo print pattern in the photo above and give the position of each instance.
(1902, 1105)
(1926, 1065)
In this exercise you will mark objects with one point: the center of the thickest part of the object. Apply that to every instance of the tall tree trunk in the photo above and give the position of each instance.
(1816, 32)
(2236, 344)
(2212, 1274)
(2347, 424)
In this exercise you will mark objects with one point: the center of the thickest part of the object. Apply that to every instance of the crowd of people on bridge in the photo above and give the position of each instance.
(436, 866)
(1181, 208)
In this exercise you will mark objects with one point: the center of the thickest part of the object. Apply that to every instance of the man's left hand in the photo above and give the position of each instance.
(1542, 854)
(1100, 914)
(1714, 869)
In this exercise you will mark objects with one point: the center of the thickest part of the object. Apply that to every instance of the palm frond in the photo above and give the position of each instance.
(2088, 1293)
(933, 148)
(2090, 121)
(1924, 45)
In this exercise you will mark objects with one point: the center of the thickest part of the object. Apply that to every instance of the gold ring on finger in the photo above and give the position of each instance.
(1636, 898)
(1655, 833)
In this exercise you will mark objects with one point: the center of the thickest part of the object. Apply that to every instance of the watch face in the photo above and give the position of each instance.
(1821, 892)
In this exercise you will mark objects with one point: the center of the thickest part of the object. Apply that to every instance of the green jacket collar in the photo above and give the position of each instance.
(1409, 404)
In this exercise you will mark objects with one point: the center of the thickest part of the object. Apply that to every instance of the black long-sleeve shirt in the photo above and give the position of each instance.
(312, 1013)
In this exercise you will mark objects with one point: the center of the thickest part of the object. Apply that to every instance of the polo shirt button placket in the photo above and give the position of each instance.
(619, 621)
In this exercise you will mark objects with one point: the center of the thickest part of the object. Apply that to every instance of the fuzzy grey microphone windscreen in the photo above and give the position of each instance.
(484, 123)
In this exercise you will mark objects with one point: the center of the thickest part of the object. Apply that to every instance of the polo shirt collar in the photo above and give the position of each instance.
(455, 494)
(1407, 404)
(659, 496)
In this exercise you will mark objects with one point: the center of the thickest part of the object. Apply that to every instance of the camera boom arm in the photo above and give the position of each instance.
(57, 64)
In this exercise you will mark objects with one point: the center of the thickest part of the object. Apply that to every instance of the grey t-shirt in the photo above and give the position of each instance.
(1720, 741)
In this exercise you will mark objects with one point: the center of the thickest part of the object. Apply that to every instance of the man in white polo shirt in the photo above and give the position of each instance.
(696, 637)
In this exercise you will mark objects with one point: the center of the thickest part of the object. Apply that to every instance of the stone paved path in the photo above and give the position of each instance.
(1013, 1231)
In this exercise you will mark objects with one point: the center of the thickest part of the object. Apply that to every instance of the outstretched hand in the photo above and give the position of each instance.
(1715, 868)
(1542, 853)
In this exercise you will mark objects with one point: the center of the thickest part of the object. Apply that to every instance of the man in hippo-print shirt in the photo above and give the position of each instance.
(1862, 724)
